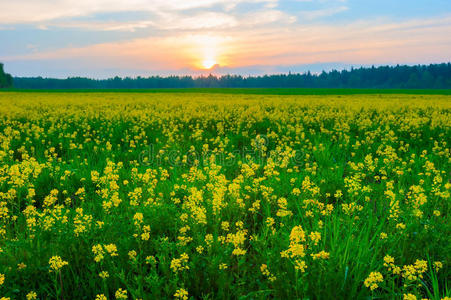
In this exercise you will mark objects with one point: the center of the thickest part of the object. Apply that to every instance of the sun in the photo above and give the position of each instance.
(208, 63)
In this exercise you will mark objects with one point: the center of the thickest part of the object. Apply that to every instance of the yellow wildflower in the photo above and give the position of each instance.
(373, 280)
(31, 295)
(56, 263)
(181, 294)
(121, 294)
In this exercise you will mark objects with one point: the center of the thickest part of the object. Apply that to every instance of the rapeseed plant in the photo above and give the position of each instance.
(190, 196)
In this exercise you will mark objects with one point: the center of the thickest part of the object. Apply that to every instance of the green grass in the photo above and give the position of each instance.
(328, 164)
(251, 91)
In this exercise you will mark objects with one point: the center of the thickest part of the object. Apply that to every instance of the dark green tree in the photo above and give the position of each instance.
(396, 77)
(6, 80)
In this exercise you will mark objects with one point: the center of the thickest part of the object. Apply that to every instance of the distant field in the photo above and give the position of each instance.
(254, 91)
(224, 196)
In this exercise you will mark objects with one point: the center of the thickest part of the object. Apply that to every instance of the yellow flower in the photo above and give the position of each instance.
(373, 280)
(121, 294)
(132, 254)
(300, 265)
(421, 266)
(225, 226)
(238, 251)
(396, 270)
(151, 260)
(180, 264)
(138, 217)
(388, 261)
(409, 297)
(208, 239)
(297, 235)
(101, 297)
(438, 265)
(111, 249)
(56, 263)
(2, 278)
(265, 272)
(401, 226)
(145, 235)
(269, 222)
(264, 269)
(320, 255)
(104, 274)
(315, 237)
(98, 252)
(32, 295)
(181, 294)
(21, 266)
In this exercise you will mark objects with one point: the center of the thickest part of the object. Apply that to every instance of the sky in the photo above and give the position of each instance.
(106, 38)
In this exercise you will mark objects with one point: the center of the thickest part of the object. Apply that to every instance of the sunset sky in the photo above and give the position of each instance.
(104, 38)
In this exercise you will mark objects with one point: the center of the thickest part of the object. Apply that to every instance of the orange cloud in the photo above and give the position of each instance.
(360, 42)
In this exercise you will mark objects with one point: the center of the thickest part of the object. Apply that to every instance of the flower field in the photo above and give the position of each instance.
(222, 196)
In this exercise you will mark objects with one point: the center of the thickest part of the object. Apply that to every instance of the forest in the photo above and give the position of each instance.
(434, 76)
(6, 80)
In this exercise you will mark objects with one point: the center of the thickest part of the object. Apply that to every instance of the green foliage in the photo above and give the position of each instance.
(340, 181)
(6, 80)
(436, 76)
(249, 91)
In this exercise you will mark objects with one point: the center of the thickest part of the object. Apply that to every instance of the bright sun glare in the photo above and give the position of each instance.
(208, 63)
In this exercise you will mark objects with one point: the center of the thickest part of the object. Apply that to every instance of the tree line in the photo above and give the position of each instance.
(434, 76)
(6, 80)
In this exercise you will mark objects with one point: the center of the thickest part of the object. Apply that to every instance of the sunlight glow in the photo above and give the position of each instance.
(208, 63)
(206, 51)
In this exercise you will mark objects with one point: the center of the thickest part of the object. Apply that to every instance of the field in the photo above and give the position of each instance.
(252, 91)
(224, 196)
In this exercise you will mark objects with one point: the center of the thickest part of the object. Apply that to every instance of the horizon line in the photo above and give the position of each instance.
(210, 72)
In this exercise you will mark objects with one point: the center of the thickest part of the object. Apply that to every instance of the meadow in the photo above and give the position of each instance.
(247, 91)
(224, 196)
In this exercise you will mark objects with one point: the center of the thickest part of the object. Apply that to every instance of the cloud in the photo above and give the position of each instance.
(359, 42)
(33, 11)
(105, 15)
(320, 13)
(162, 21)
(177, 35)
(178, 21)
(203, 20)
(376, 41)
(266, 17)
